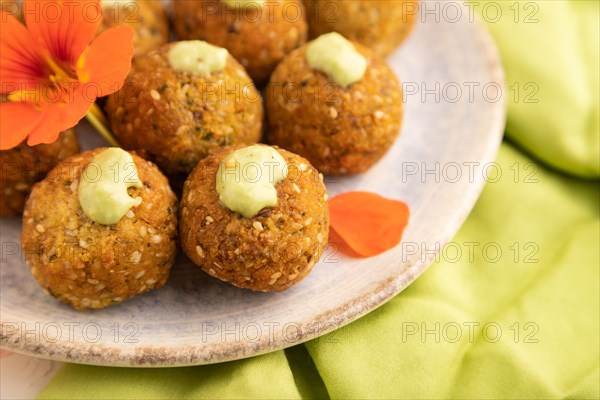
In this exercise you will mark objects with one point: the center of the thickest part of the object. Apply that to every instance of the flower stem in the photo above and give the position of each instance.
(97, 119)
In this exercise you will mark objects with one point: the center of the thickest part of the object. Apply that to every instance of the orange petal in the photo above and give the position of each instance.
(60, 115)
(16, 121)
(368, 223)
(21, 61)
(108, 60)
(64, 28)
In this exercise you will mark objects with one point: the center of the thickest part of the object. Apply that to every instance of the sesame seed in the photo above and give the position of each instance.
(321, 177)
(143, 231)
(276, 275)
(117, 299)
(308, 221)
(138, 200)
(52, 251)
(320, 237)
(99, 287)
(333, 113)
(83, 244)
(296, 188)
(150, 282)
(379, 114)
(140, 274)
(303, 167)
(326, 197)
(181, 130)
(151, 230)
(136, 257)
(297, 226)
(292, 276)
(155, 95)
(258, 226)
(130, 214)
(93, 281)
(211, 271)
(40, 228)
(156, 239)
(209, 219)
(200, 251)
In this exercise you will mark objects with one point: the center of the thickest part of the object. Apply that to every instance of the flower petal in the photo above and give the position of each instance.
(368, 223)
(16, 121)
(108, 60)
(60, 115)
(64, 28)
(21, 63)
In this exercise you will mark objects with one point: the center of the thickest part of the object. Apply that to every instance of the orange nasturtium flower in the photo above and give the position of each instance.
(53, 69)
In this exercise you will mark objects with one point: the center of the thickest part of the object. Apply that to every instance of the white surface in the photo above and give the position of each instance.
(24, 377)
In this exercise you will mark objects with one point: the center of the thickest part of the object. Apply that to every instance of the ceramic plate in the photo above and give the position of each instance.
(454, 119)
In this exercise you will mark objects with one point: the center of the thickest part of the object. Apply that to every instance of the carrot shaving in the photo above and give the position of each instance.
(367, 223)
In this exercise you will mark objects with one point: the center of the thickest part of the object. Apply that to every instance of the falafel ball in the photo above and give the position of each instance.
(89, 265)
(271, 251)
(148, 19)
(177, 117)
(24, 165)
(381, 25)
(340, 130)
(259, 36)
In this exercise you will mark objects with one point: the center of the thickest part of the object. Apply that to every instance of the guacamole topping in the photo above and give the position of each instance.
(197, 57)
(247, 177)
(337, 58)
(103, 186)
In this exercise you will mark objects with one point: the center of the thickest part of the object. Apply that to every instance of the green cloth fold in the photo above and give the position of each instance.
(551, 61)
(440, 337)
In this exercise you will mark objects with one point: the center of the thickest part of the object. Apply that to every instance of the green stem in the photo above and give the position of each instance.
(98, 121)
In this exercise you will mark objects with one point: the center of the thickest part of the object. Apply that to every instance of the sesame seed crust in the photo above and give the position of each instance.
(269, 252)
(89, 265)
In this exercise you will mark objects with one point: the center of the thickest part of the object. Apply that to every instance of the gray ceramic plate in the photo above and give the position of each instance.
(454, 119)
